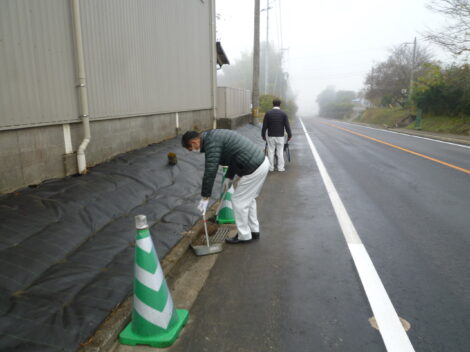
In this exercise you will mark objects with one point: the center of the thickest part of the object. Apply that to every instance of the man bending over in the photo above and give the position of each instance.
(244, 159)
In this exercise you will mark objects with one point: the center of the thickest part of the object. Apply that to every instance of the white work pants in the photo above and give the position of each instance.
(244, 201)
(276, 145)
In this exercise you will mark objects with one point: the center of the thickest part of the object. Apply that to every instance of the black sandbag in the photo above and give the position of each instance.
(67, 246)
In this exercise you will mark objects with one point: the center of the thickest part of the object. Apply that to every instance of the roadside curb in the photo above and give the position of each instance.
(431, 135)
(107, 333)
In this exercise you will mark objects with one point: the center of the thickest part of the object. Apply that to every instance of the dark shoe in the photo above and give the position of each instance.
(255, 235)
(235, 240)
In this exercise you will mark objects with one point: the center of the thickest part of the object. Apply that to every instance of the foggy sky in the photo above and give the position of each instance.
(328, 42)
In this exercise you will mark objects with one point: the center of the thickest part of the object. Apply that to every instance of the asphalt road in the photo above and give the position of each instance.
(299, 289)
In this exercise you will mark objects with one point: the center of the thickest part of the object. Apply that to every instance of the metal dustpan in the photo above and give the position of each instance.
(208, 248)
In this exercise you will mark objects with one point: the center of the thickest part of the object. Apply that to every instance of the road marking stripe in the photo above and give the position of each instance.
(400, 148)
(408, 135)
(390, 327)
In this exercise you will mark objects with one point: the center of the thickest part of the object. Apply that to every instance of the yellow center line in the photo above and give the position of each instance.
(400, 148)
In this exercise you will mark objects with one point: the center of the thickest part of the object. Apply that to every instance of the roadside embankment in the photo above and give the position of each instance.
(445, 124)
(397, 117)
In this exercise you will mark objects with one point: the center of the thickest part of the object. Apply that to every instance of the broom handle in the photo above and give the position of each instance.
(220, 202)
(205, 228)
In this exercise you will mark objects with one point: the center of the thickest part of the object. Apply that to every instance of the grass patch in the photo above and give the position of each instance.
(383, 116)
(445, 124)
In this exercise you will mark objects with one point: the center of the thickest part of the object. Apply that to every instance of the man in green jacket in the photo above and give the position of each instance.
(244, 159)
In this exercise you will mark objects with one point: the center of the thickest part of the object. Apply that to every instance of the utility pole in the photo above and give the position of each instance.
(413, 64)
(419, 112)
(266, 53)
(255, 90)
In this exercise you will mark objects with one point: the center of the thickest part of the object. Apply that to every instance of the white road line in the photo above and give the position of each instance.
(409, 135)
(393, 333)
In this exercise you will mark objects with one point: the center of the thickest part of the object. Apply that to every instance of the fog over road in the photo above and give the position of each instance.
(299, 288)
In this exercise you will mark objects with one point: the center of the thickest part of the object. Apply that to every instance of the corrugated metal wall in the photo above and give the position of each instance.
(147, 56)
(36, 63)
(233, 102)
(142, 57)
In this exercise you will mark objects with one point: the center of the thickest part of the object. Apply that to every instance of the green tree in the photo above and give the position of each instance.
(444, 91)
(239, 75)
(337, 105)
(326, 97)
(289, 106)
(345, 96)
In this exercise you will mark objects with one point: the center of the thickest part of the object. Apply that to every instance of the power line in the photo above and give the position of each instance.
(338, 75)
(335, 67)
(355, 51)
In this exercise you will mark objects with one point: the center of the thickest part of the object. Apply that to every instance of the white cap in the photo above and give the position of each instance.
(141, 222)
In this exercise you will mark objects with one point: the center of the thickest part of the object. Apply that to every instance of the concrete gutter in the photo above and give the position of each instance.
(106, 335)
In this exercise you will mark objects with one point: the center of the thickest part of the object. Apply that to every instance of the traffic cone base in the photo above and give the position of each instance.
(225, 217)
(225, 214)
(164, 339)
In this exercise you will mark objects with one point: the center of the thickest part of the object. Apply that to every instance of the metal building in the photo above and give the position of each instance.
(138, 70)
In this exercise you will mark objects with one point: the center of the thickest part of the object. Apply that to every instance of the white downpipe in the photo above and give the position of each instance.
(82, 89)
(213, 66)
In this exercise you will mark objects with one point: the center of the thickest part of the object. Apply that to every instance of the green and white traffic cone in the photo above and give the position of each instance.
(155, 321)
(225, 213)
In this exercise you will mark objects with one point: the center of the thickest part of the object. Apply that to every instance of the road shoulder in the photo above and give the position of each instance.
(445, 137)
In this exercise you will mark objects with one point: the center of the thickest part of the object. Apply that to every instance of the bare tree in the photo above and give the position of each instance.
(388, 82)
(455, 37)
